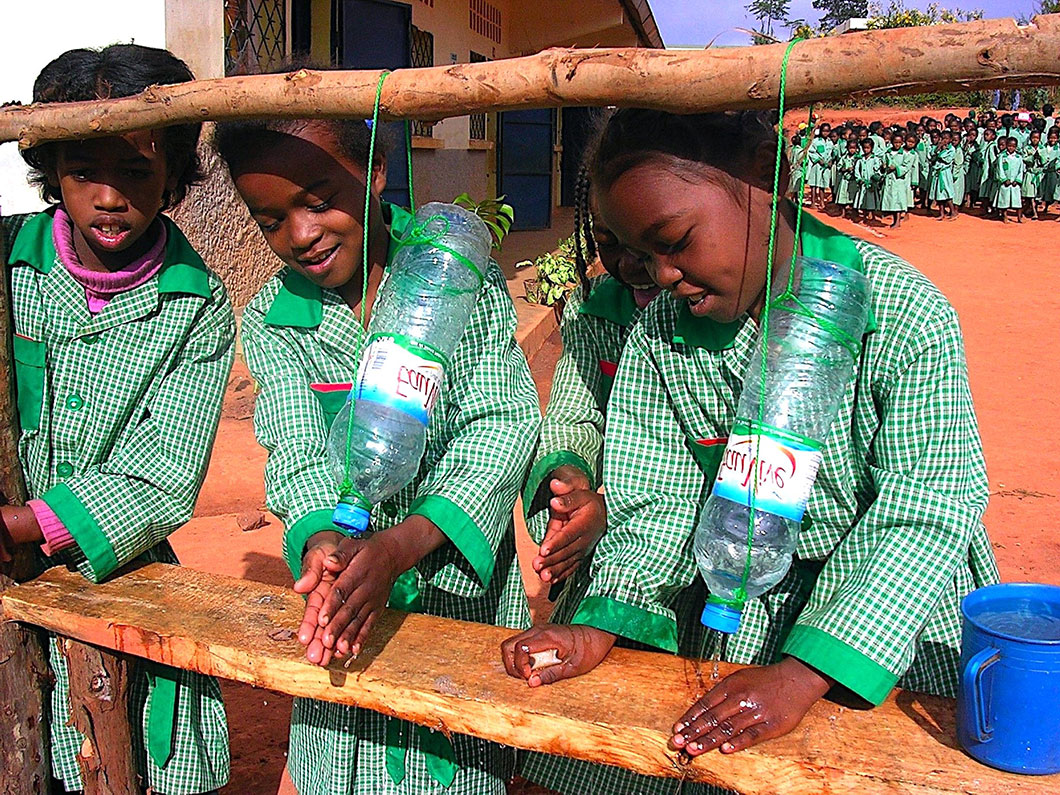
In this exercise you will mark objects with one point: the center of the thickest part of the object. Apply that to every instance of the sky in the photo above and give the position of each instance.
(696, 22)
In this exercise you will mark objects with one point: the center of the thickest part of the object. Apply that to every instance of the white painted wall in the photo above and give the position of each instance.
(33, 33)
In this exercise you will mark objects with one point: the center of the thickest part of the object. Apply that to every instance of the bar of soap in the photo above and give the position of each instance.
(544, 659)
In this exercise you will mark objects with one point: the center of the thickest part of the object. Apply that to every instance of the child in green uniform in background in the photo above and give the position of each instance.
(1008, 174)
(959, 169)
(913, 179)
(988, 185)
(924, 148)
(820, 157)
(895, 171)
(123, 345)
(1033, 172)
(1051, 177)
(867, 174)
(941, 191)
(443, 545)
(846, 179)
(974, 159)
(894, 537)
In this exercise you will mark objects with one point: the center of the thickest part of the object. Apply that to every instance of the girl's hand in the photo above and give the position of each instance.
(316, 581)
(578, 517)
(749, 706)
(579, 648)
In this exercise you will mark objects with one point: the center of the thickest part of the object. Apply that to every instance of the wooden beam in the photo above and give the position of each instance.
(984, 54)
(24, 675)
(99, 709)
(448, 675)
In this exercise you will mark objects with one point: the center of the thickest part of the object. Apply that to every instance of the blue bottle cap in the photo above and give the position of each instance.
(721, 617)
(351, 517)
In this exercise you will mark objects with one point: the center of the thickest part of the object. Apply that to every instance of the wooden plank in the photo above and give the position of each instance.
(447, 674)
(987, 53)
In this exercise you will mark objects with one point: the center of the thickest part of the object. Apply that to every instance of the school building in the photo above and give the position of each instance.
(529, 156)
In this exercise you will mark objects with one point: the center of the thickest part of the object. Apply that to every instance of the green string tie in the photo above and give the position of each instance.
(417, 235)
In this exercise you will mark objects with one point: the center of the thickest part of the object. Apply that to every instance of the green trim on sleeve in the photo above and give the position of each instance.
(83, 527)
(628, 621)
(461, 529)
(836, 659)
(299, 533)
(545, 466)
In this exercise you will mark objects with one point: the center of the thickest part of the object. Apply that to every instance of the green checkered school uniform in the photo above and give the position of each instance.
(118, 413)
(892, 538)
(303, 346)
(594, 333)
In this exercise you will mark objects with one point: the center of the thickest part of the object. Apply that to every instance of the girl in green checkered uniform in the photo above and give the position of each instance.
(123, 346)
(565, 514)
(443, 545)
(893, 538)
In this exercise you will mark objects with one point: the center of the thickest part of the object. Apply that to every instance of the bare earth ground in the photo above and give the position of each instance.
(1004, 282)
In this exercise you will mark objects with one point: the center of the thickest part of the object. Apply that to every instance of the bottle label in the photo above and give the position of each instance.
(402, 373)
(784, 464)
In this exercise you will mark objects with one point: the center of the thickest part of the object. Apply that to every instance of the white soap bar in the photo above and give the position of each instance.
(544, 659)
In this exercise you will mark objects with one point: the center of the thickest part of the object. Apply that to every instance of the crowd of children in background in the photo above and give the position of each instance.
(1002, 165)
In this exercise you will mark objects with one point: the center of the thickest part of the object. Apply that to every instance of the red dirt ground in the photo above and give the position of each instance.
(1004, 282)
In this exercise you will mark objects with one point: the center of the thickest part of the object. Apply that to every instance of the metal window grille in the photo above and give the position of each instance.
(485, 19)
(477, 121)
(255, 35)
(422, 45)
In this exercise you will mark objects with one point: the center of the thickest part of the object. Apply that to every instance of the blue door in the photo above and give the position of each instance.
(524, 171)
(374, 34)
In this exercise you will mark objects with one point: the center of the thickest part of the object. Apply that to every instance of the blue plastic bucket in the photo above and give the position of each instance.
(1008, 707)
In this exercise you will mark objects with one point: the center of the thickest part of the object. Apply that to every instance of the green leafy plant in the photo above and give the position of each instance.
(497, 215)
(557, 275)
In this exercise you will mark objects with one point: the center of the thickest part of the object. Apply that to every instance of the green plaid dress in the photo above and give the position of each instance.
(594, 333)
(118, 413)
(892, 538)
(303, 346)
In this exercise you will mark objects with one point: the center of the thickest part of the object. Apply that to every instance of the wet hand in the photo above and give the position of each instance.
(578, 517)
(316, 582)
(749, 706)
(579, 649)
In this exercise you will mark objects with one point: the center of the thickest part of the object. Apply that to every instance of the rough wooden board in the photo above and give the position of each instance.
(447, 674)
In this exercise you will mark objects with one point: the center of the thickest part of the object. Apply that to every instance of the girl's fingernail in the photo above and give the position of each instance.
(726, 747)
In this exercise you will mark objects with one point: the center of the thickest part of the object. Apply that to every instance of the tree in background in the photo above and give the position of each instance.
(839, 11)
(898, 16)
(767, 12)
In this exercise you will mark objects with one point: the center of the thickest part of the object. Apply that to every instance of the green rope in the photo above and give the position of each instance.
(408, 152)
(347, 483)
(741, 592)
(417, 235)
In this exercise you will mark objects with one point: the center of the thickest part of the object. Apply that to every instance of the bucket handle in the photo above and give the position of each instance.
(972, 691)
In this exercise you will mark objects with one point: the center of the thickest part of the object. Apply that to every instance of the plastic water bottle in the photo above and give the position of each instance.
(813, 347)
(430, 290)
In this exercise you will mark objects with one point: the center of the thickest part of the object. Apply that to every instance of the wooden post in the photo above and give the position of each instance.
(24, 675)
(99, 709)
(987, 53)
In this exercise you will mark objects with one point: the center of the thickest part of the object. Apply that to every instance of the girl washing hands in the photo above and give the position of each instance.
(893, 538)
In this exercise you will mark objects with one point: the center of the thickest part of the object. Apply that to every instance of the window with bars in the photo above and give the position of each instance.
(255, 35)
(485, 18)
(477, 121)
(422, 45)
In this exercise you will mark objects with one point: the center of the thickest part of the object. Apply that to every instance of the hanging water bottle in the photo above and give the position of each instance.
(774, 450)
(429, 292)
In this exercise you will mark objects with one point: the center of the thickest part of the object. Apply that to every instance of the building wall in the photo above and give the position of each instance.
(35, 33)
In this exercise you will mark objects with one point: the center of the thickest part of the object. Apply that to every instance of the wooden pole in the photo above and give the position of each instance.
(99, 709)
(984, 54)
(24, 675)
